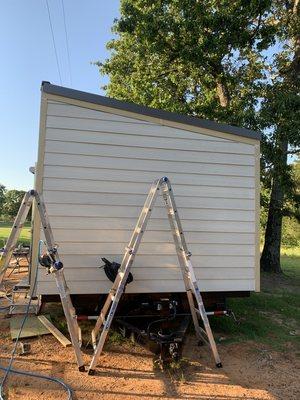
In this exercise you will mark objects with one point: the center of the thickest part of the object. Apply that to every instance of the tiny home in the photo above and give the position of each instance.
(97, 159)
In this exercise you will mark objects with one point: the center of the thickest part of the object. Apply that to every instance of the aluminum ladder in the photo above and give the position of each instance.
(56, 266)
(191, 286)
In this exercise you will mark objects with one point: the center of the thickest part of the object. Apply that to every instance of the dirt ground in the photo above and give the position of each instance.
(127, 371)
(250, 371)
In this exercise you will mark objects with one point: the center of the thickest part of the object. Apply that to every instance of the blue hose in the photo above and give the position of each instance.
(47, 378)
(27, 373)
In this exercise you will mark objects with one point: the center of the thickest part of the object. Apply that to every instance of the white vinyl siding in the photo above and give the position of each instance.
(98, 168)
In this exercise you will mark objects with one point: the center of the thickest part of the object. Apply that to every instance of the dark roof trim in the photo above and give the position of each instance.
(47, 87)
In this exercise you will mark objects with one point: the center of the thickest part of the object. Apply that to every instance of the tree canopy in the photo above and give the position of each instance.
(2, 197)
(190, 57)
(234, 61)
(12, 202)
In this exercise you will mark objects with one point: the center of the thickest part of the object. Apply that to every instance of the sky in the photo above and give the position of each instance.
(28, 58)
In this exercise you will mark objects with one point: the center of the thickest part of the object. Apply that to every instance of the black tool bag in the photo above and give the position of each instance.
(111, 270)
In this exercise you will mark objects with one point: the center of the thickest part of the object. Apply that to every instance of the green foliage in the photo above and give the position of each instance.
(290, 224)
(290, 232)
(2, 197)
(115, 337)
(184, 56)
(13, 200)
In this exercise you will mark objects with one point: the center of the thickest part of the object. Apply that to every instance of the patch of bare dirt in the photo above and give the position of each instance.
(279, 282)
(127, 372)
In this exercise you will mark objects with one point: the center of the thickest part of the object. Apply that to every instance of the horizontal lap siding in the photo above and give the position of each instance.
(81, 261)
(153, 224)
(102, 186)
(148, 286)
(114, 199)
(98, 168)
(141, 274)
(123, 236)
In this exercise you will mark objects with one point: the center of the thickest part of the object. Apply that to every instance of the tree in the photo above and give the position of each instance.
(190, 57)
(13, 200)
(2, 197)
(281, 117)
(211, 60)
(291, 211)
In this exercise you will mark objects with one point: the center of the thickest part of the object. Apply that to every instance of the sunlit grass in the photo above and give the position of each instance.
(5, 229)
(271, 316)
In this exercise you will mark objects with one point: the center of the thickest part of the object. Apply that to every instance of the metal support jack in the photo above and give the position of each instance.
(191, 286)
(54, 265)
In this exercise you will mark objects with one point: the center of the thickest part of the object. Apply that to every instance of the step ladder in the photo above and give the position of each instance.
(55, 265)
(191, 286)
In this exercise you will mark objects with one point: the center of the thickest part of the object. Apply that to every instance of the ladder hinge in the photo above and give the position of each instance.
(129, 250)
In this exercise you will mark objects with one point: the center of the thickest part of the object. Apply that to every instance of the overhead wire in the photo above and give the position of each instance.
(67, 41)
(53, 40)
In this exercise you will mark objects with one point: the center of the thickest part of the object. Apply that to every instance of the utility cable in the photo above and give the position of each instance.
(53, 40)
(47, 378)
(67, 41)
(27, 373)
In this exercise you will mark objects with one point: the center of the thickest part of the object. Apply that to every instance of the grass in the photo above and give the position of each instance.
(5, 229)
(272, 316)
(290, 261)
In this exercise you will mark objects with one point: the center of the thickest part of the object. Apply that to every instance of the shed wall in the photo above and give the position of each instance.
(95, 172)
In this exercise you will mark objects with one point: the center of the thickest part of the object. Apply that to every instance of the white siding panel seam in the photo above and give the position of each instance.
(66, 189)
(146, 286)
(158, 207)
(156, 230)
(49, 175)
(153, 218)
(51, 153)
(62, 147)
(104, 119)
(161, 172)
(101, 281)
(140, 146)
(89, 195)
(97, 132)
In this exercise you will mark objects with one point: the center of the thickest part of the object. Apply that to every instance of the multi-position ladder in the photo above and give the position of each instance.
(54, 265)
(191, 286)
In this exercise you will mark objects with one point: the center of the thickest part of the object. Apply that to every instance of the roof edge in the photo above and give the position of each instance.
(47, 87)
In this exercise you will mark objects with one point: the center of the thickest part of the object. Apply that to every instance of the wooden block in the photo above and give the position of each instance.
(55, 332)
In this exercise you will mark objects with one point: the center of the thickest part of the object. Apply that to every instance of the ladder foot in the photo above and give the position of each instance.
(219, 365)
(81, 368)
(91, 372)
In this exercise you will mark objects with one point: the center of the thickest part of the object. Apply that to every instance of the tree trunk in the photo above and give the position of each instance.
(270, 259)
(223, 94)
